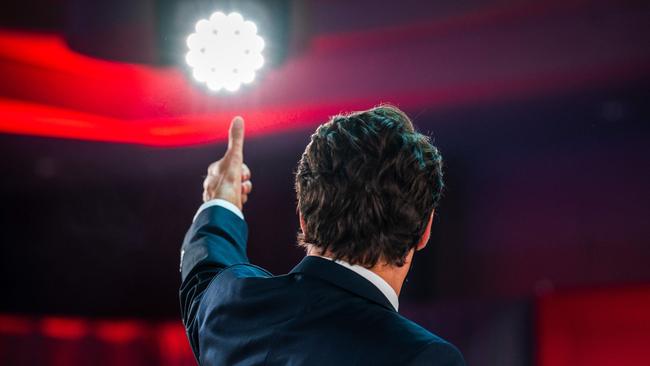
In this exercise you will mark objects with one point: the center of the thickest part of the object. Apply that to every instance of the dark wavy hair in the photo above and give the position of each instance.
(366, 186)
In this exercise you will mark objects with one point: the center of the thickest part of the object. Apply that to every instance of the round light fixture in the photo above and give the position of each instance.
(225, 51)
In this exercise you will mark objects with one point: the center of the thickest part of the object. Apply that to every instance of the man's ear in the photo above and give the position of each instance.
(427, 233)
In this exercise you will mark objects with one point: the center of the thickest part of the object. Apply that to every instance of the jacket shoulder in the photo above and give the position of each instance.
(422, 346)
(438, 353)
(245, 270)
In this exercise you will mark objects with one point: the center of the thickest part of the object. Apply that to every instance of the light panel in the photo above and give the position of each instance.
(225, 51)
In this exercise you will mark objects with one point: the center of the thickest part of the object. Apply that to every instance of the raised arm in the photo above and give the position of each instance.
(213, 231)
(217, 238)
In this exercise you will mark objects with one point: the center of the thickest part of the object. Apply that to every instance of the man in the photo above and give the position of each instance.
(367, 186)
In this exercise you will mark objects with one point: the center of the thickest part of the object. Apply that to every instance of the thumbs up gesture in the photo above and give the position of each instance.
(229, 178)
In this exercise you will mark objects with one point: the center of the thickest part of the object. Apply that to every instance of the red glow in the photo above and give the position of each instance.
(599, 328)
(119, 331)
(15, 325)
(80, 341)
(49, 90)
(173, 343)
(64, 328)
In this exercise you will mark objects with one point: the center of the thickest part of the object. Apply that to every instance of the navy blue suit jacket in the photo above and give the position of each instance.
(320, 313)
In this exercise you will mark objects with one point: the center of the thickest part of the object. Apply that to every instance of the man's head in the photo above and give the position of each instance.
(367, 185)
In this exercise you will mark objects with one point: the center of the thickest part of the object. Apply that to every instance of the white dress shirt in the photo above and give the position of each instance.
(222, 203)
(374, 278)
(369, 275)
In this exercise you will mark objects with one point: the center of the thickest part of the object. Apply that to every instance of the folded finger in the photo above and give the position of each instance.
(245, 172)
(246, 187)
(213, 169)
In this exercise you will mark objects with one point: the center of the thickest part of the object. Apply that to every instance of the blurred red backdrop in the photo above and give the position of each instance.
(64, 341)
(595, 328)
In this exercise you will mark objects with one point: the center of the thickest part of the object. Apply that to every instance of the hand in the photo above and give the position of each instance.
(229, 178)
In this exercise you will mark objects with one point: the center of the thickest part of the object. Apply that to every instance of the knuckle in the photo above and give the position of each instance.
(206, 182)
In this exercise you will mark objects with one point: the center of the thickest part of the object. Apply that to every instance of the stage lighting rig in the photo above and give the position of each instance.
(155, 32)
(230, 40)
(225, 51)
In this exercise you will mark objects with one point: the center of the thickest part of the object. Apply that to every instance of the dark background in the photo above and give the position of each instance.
(547, 177)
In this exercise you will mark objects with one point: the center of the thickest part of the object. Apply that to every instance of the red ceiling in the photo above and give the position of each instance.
(49, 90)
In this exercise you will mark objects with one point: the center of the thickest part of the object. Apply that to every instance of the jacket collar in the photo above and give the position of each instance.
(342, 277)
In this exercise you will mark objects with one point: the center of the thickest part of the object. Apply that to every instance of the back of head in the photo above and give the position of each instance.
(366, 186)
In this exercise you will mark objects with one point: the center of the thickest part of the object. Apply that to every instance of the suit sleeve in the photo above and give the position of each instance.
(439, 354)
(215, 241)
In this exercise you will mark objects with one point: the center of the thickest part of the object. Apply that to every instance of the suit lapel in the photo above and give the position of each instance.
(342, 277)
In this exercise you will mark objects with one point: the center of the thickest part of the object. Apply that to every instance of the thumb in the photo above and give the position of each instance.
(236, 138)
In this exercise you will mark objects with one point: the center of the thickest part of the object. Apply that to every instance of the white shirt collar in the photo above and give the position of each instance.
(374, 278)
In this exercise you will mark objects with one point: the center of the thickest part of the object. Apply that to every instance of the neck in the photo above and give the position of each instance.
(393, 275)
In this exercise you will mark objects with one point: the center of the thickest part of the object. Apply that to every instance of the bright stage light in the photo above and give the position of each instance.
(225, 51)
